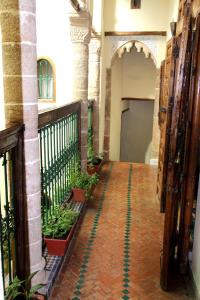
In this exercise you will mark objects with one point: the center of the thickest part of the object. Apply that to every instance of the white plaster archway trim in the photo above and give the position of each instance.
(151, 42)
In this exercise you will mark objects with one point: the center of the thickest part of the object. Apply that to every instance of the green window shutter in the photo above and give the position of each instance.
(45, 79)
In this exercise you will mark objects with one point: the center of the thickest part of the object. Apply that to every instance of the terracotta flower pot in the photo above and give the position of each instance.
(58, 247)
(79, 195)
(94, 168)
(91, 170)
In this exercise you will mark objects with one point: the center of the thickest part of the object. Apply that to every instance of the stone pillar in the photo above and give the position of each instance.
(107, 115)
(18, 28)
(94, 85)
(80, 30)
(156, 130)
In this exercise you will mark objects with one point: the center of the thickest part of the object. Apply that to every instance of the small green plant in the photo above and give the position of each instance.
(21, 288)
(82, 180)
(60, 223)
(93, 159)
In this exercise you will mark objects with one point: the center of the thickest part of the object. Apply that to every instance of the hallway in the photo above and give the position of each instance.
(116, 255)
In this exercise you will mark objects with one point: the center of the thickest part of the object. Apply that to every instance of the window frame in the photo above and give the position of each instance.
(135, 5)
(53, 98)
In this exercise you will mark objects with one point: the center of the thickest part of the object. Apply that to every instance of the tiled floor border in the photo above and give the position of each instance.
(126, 265)
(88, 249)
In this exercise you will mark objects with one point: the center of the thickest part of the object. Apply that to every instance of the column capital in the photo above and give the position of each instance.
(80, 28)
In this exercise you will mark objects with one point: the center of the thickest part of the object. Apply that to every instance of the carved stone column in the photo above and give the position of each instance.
(94, 85)
(18, 28)
(80, 31)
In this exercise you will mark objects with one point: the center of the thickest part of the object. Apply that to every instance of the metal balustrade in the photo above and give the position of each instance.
(59, 134)
(10, 188)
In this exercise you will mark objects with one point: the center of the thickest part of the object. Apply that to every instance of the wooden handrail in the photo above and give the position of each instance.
(9, 138)
(53, 114)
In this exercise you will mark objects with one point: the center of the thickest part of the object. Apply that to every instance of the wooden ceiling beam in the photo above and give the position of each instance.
(128, 33)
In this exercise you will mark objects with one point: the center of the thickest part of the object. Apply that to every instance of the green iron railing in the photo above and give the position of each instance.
(59, 135)
(8, 203)
(90, 127)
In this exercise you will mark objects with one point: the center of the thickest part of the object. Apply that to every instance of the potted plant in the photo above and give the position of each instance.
(81, 183)
(21, 289)
(93, 161)
(59, 230)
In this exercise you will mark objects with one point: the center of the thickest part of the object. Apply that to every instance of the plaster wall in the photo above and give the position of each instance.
(152, 16)
(139, 75)
(173, 15)
(53, 43)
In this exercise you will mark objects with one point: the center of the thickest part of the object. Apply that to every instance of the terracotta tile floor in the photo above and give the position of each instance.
(117, 252)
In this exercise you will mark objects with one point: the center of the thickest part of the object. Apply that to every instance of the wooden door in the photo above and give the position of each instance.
(176, 149)
(165, 112)
(191, 165)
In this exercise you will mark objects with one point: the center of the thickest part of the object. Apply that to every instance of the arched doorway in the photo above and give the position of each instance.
(133, 81)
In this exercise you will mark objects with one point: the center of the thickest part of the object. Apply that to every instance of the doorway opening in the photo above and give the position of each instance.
(133, 82)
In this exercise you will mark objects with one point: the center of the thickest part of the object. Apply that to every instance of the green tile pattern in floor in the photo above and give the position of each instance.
(126, 266)
(88, 249)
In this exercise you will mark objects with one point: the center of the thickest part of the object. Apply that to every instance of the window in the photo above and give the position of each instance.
(45, 80)
(135, 4)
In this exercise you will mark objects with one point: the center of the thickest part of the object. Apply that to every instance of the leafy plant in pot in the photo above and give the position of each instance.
(59, 229)
(22, 289)
(81, 183)
(94, 161)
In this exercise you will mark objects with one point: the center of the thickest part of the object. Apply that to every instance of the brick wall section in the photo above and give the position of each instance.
(20, 97)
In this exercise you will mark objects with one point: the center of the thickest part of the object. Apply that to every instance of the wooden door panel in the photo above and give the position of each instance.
(191, 153)
(167, 79)
(176, 147)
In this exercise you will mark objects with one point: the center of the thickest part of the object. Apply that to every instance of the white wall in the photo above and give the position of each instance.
(139, 75)
(153, 16)
(173, 15)
(115, 124)
(196, 246)
(53, 42)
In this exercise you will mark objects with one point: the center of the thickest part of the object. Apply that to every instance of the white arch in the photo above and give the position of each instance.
(155, 44)
(126, 47)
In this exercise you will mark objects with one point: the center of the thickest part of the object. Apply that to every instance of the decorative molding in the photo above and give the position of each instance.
(80, 27)
(148, 42)
(136, 33)
(80, 35)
